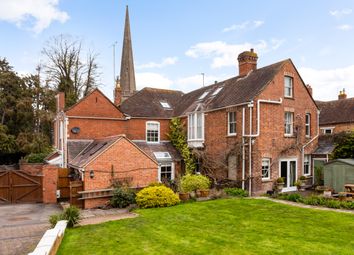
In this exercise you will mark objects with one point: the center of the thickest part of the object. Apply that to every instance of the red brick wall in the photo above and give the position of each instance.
(340, 127)
(31, 168)
(136, 128)
(127, 161)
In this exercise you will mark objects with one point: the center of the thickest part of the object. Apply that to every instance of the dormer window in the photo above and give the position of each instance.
(203, 95)
(152, 132)
(217, 91)
(165, 105)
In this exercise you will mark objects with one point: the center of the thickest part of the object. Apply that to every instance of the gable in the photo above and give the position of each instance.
(95, 104)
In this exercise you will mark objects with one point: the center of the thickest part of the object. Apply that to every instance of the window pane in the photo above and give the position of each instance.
(199, 126)
(232, 122)
(265, 168)
(166, 172)
(288, 86)
(288, 123)
(152, 132)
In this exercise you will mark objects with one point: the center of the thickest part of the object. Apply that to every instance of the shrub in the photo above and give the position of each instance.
(156, 196)
(72, 215)
(280, 180)
(156, 184)
(302, 178)
(236, 192)
(193, 182)
(53, 219)
(122, 197)
(36, 157)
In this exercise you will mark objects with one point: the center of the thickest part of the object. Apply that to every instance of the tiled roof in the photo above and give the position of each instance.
(150, 148)
(75, 147)
(337, 111)
(147, 103)
(325, 145)
(235, 91)
(95, 148)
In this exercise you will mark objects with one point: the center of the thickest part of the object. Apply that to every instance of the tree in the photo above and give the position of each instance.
(344, 146)
(66, 70)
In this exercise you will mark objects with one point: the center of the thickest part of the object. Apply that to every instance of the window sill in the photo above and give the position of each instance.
(287, 97)
(289, 136)
(266, 180)
(153, 142)
(231, 135)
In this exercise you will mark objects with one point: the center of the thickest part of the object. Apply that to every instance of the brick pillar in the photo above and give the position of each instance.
(50, 181)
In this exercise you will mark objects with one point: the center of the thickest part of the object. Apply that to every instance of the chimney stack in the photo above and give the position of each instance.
(60, 97)
(342, 95)
(117, 93)
(247, 62)
(309, 88)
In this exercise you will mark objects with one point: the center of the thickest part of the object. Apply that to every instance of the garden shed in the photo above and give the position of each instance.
(339, 172)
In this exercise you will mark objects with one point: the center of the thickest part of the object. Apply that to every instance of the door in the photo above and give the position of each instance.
(288, 170)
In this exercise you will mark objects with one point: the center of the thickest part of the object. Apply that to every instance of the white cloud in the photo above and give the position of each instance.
(327, 83)
(340, 13)
(223, 54)
(164, 62)
(153, 80)
(245, 25)
(345, 27)
(34, 15)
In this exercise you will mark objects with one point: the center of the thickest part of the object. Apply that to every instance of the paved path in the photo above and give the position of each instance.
(97, 216)
(22, 226)
(305, 206)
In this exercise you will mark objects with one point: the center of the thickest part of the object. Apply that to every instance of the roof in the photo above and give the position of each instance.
(348, 161)
(325, 145)
(329, 111)
(150, 148)
(75, 147)
(92, 150)
(237, 90)
(147, 103)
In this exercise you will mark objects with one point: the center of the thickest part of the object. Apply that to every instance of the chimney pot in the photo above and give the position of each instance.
(342, 95)
(247, 62)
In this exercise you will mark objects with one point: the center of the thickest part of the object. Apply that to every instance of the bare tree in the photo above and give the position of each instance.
(67, 71)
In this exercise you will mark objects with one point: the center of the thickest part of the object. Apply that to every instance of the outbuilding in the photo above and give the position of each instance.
(338, 173)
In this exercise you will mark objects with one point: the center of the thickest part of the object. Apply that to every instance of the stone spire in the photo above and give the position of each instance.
(127, 74)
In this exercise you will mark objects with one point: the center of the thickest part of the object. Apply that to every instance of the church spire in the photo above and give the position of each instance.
(127, 74)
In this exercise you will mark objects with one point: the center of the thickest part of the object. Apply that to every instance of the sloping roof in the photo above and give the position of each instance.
(150, 148)
(234, 91)
(147, 103)
(75, 147)
(348, 161)
(95, 148)
(325, 145)
(337, 111)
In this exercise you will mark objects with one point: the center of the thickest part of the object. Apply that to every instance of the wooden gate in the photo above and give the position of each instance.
(18, 186)
(75, 187)
(63, 183)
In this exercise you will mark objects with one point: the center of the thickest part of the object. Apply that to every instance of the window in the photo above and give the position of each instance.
(265, 169)
(307, 165)
(196, 126)
(289, 117)
(288, 86)
(165, 105)
(327, 131)
(217, 91)
(308, 125)
(204, 95)
(231, 130)
(166, 172)
(161, 155)
(152, 132)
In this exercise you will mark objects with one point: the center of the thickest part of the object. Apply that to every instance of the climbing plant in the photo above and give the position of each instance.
(179, 141)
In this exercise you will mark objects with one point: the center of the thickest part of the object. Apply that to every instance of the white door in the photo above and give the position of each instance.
(288, 170)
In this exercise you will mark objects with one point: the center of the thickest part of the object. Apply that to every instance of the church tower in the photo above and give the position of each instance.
(126, 85)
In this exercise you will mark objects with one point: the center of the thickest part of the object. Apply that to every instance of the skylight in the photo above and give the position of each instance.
(217, 91)
(204, 95)
(162, 155)
(165, 105)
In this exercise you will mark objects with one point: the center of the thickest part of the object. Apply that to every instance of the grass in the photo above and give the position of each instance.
(225, 226)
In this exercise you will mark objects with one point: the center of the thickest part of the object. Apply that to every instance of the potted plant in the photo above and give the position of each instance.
(298, 185)
(199, 184)
(327, 192)
(280, 183)
(183, 195)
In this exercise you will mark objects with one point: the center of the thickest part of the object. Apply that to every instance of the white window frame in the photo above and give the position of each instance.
(268, 161)
(192, 127)
(308, 125)
(291, 124)
(166, 164)
(327, 128)
(158, 129)
(165, 105)
(229, 123)
(307, 159)
(202, 96)
(217, 91)
(291, 79)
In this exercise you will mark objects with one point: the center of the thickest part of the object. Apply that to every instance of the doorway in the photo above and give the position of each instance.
(288, 170)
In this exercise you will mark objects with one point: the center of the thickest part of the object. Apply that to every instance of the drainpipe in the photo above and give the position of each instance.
(309, 142)
(250, 106)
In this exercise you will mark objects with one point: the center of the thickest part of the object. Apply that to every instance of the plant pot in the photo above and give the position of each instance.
(183, 196)
(327, 193)
(280, 186)
(204, 193)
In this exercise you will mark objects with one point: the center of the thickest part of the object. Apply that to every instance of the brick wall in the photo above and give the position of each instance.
(31, 168)
(340, 127)
(127, 161)
(50, 181)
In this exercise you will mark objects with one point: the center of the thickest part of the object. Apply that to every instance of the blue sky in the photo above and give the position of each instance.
(175, 41)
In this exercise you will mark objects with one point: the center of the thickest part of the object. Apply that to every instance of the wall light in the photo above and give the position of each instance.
(92, 174)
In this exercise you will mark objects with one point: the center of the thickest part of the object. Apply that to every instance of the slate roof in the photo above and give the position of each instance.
(337, 111)
(147, 103)
(348, 161)
(150, 148)
(75, 147)
(95, 148)
(325, 145)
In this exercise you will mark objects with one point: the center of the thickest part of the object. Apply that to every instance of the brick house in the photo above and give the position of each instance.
(252, 128)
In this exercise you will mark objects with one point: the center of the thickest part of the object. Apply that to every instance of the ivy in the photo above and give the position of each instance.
(344, 146)
(179, 141)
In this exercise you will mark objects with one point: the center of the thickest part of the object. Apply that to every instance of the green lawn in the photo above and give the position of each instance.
(226, 226)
